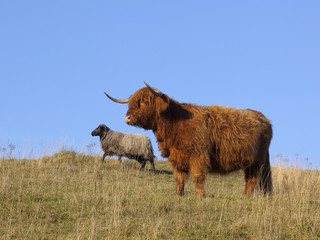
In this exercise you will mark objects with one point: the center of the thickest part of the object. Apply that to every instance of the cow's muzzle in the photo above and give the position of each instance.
(128, 119)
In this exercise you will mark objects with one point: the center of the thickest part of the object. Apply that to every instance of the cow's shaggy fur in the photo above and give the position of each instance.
(202, 139)
(133, 146)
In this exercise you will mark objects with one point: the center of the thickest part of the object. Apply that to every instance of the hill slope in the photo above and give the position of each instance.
(74, 196)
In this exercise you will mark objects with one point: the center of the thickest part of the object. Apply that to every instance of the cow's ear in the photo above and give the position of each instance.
(162, 102)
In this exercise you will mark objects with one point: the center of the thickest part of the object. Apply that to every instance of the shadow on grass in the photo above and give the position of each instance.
(163, 172)
(160, 172)
(132, 165)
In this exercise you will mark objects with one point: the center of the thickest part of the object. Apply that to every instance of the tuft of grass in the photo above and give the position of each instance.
(74, 196)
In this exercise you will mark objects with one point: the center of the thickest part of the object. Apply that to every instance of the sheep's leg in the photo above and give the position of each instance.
(152, 165)
(119, 158)
(103, 157)
(143, 164)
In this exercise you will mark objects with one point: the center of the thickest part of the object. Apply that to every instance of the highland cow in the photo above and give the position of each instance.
(202, 139)
(133, 146)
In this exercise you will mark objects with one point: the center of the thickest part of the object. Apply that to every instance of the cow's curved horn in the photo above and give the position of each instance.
(154, 91)
(117, 100)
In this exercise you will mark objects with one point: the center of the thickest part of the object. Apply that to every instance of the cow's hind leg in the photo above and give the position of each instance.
(265, 181)
(251, 178)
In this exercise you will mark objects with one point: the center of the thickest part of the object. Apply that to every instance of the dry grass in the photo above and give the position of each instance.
(74, 196)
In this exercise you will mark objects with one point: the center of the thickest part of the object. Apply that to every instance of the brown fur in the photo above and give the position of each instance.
(202, 139)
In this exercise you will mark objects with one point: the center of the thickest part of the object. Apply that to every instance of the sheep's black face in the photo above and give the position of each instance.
(100, 130)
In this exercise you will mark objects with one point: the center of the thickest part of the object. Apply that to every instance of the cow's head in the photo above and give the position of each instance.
(144, 107)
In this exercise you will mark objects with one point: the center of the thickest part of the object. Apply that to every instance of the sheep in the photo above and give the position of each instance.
(133, 146)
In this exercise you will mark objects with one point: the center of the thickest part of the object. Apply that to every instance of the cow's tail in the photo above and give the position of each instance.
(266, 177)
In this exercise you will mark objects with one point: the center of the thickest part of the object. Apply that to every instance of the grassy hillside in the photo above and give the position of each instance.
(74, 196)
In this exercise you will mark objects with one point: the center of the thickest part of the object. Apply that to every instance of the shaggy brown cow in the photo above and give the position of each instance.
(202, 139)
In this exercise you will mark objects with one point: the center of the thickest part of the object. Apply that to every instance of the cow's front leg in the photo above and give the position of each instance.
(181, 177)
(199, 181)
(198, 172)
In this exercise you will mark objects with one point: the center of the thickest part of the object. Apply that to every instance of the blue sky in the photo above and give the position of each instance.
(58, 57)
